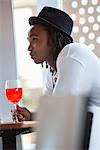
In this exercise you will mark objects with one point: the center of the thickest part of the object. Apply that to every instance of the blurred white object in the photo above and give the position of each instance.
(95, 130)
(1, 121)
(60, 123)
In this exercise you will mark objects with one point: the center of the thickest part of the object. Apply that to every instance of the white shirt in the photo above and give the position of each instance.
(78, 73)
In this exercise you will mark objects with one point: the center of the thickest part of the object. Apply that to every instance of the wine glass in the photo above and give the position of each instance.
(13, 92)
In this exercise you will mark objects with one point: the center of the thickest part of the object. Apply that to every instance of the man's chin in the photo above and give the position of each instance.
(37, 62)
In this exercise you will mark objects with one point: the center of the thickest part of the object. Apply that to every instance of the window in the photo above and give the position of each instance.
(29, 73)
(85, 15)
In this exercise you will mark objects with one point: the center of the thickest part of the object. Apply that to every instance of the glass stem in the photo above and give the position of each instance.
(15, 118)
(15, 107)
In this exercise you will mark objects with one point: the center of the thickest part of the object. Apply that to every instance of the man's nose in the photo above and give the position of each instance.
(29, 47)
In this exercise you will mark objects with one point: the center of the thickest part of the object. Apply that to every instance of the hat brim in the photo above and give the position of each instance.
(36, 20)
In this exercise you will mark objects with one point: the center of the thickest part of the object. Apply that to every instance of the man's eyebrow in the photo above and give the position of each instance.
(32, 35)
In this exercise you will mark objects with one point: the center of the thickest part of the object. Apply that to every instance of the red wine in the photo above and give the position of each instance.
(14, 95)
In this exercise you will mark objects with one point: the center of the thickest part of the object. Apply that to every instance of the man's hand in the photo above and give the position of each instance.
(23, 114)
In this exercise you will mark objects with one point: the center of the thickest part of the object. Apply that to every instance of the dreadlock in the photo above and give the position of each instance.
(59, 39)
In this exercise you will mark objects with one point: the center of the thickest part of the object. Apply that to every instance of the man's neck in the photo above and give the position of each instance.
(52, 64)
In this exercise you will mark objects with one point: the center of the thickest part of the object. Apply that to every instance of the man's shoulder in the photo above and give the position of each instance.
(75, 51)
(68, 50)
(74, 47)
(77, 46)
(78, 49)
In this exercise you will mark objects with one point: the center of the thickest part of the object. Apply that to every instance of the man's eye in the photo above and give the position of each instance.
(34, 38)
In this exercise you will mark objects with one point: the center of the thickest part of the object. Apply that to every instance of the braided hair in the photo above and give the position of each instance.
(60, 40)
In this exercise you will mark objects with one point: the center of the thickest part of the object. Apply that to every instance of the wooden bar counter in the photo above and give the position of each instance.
(11, 134)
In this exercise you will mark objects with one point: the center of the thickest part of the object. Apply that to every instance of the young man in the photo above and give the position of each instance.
(74, 69)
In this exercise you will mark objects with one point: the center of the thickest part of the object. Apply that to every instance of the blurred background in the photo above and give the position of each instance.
(86, 17)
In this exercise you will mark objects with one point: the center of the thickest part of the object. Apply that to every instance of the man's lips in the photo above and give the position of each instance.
(32, 55)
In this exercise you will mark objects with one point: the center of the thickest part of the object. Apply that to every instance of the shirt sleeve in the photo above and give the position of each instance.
(72, 77)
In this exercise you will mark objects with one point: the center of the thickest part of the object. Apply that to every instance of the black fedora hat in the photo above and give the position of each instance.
(54, 17)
